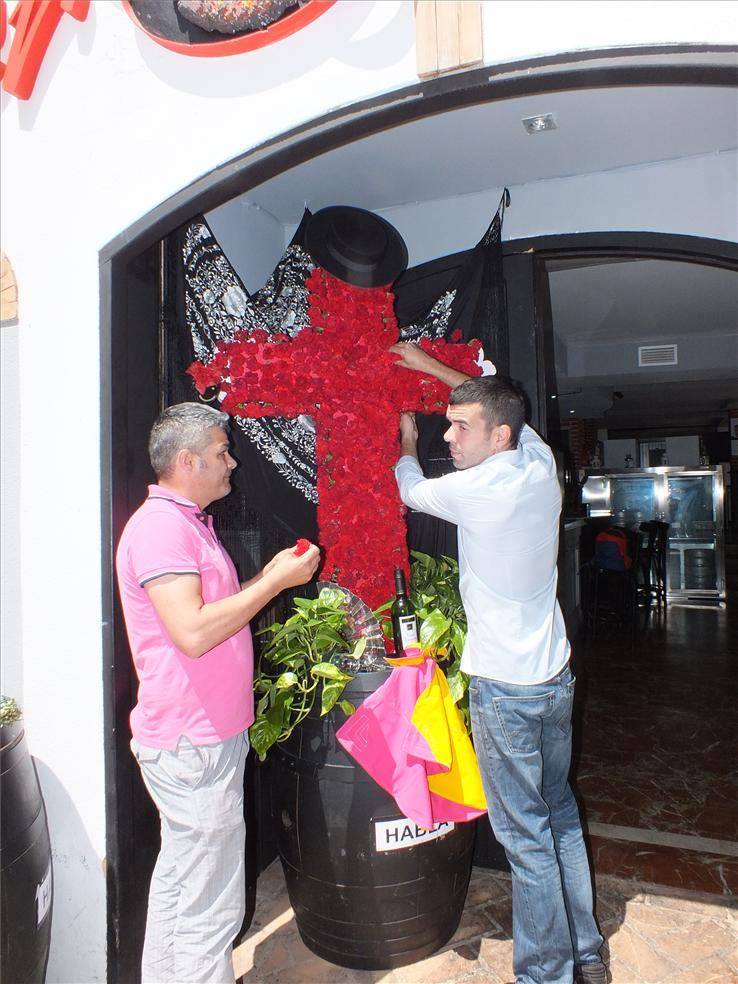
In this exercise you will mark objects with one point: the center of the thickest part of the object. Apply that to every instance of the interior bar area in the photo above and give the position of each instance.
(690, 501)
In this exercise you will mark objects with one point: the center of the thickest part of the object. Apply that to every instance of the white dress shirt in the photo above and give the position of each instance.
(507, 512)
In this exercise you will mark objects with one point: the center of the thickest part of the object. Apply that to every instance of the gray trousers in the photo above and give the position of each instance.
(197, 896)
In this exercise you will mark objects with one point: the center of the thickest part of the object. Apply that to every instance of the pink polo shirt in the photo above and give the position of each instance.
(209, 699)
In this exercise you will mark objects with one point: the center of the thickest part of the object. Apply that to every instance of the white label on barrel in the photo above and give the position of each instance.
(43, 898)
(394, 835)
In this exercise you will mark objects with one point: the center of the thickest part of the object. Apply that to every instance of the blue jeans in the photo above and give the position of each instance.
(522, 736)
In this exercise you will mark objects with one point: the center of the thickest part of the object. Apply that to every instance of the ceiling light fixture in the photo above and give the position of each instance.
(537, 124)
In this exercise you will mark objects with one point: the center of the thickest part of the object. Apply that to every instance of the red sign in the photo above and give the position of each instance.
(35, 22)
(282, 28)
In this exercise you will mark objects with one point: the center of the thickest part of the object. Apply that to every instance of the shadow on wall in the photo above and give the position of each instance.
(11, 628)
(78, 930)
(348, 33)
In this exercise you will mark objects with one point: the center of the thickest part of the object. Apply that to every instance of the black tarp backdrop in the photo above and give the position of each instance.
(270, 505)
(473, 282)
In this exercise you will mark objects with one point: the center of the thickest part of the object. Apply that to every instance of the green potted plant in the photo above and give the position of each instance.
(305, 657)
(357, 902)
(299, 663)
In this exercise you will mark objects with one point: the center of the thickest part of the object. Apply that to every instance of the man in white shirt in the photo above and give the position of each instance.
(505, 499)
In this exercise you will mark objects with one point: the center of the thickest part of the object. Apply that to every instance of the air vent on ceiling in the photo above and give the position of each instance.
(657, 355)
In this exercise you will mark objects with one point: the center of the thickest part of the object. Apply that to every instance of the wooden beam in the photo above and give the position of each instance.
(448, 36)
(8, 291)
(426, 38)
(470, 33)
(447, 31)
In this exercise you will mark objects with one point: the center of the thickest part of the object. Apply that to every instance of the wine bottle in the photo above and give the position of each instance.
(404, 622)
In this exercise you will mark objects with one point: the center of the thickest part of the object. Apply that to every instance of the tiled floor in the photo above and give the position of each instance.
(651, 936)
(655, 753)
(655, 769)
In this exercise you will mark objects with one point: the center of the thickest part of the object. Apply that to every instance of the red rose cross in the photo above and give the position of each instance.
(339, 370)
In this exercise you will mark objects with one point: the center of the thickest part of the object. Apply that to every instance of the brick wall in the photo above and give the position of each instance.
(582, 440)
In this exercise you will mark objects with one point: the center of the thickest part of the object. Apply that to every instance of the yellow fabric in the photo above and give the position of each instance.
(439, 721)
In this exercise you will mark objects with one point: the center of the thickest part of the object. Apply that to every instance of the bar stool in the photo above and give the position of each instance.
(652, 566)
(646, 587)
(610, 595)
(662, 543)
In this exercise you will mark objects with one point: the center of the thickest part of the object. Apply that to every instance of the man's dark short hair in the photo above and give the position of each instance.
(502, 402)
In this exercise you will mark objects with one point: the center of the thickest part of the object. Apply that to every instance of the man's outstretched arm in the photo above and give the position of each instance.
(195, 626)
(435, 496)
(413, 357)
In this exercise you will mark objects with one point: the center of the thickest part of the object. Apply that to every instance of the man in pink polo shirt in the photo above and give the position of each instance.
(187, 618)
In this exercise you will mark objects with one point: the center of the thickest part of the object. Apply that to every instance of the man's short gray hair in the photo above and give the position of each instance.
(182, 426)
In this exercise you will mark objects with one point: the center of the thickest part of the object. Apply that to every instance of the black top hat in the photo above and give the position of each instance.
(356, 246)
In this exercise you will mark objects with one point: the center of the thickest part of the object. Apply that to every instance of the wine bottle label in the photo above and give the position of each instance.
(408, 630)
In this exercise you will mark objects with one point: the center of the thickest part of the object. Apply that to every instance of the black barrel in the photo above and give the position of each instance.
(25, 863)
(369, 889)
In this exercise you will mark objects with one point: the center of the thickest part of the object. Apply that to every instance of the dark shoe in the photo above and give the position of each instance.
(594, 972)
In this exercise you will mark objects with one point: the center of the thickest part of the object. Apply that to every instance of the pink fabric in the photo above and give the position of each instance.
(210, 699)
(384, 741)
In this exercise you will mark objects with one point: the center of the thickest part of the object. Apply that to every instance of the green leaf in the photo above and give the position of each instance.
(276, 713)
(359, 648)
(332, 690)
(458, 638)
(293, 657)
(326, 637)
(457, 684)
(382, 608)
(332, 597)
(347, 707)
(423, 559)
(433, 628)
(262, 735)
(286, 680)
(270, 628)
(286, 631)
(331, 672)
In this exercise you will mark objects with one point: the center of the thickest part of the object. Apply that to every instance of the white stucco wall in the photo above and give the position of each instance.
(516, 30)
(11, 637)
(116, 125)
(254, 234)
(695, 196)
